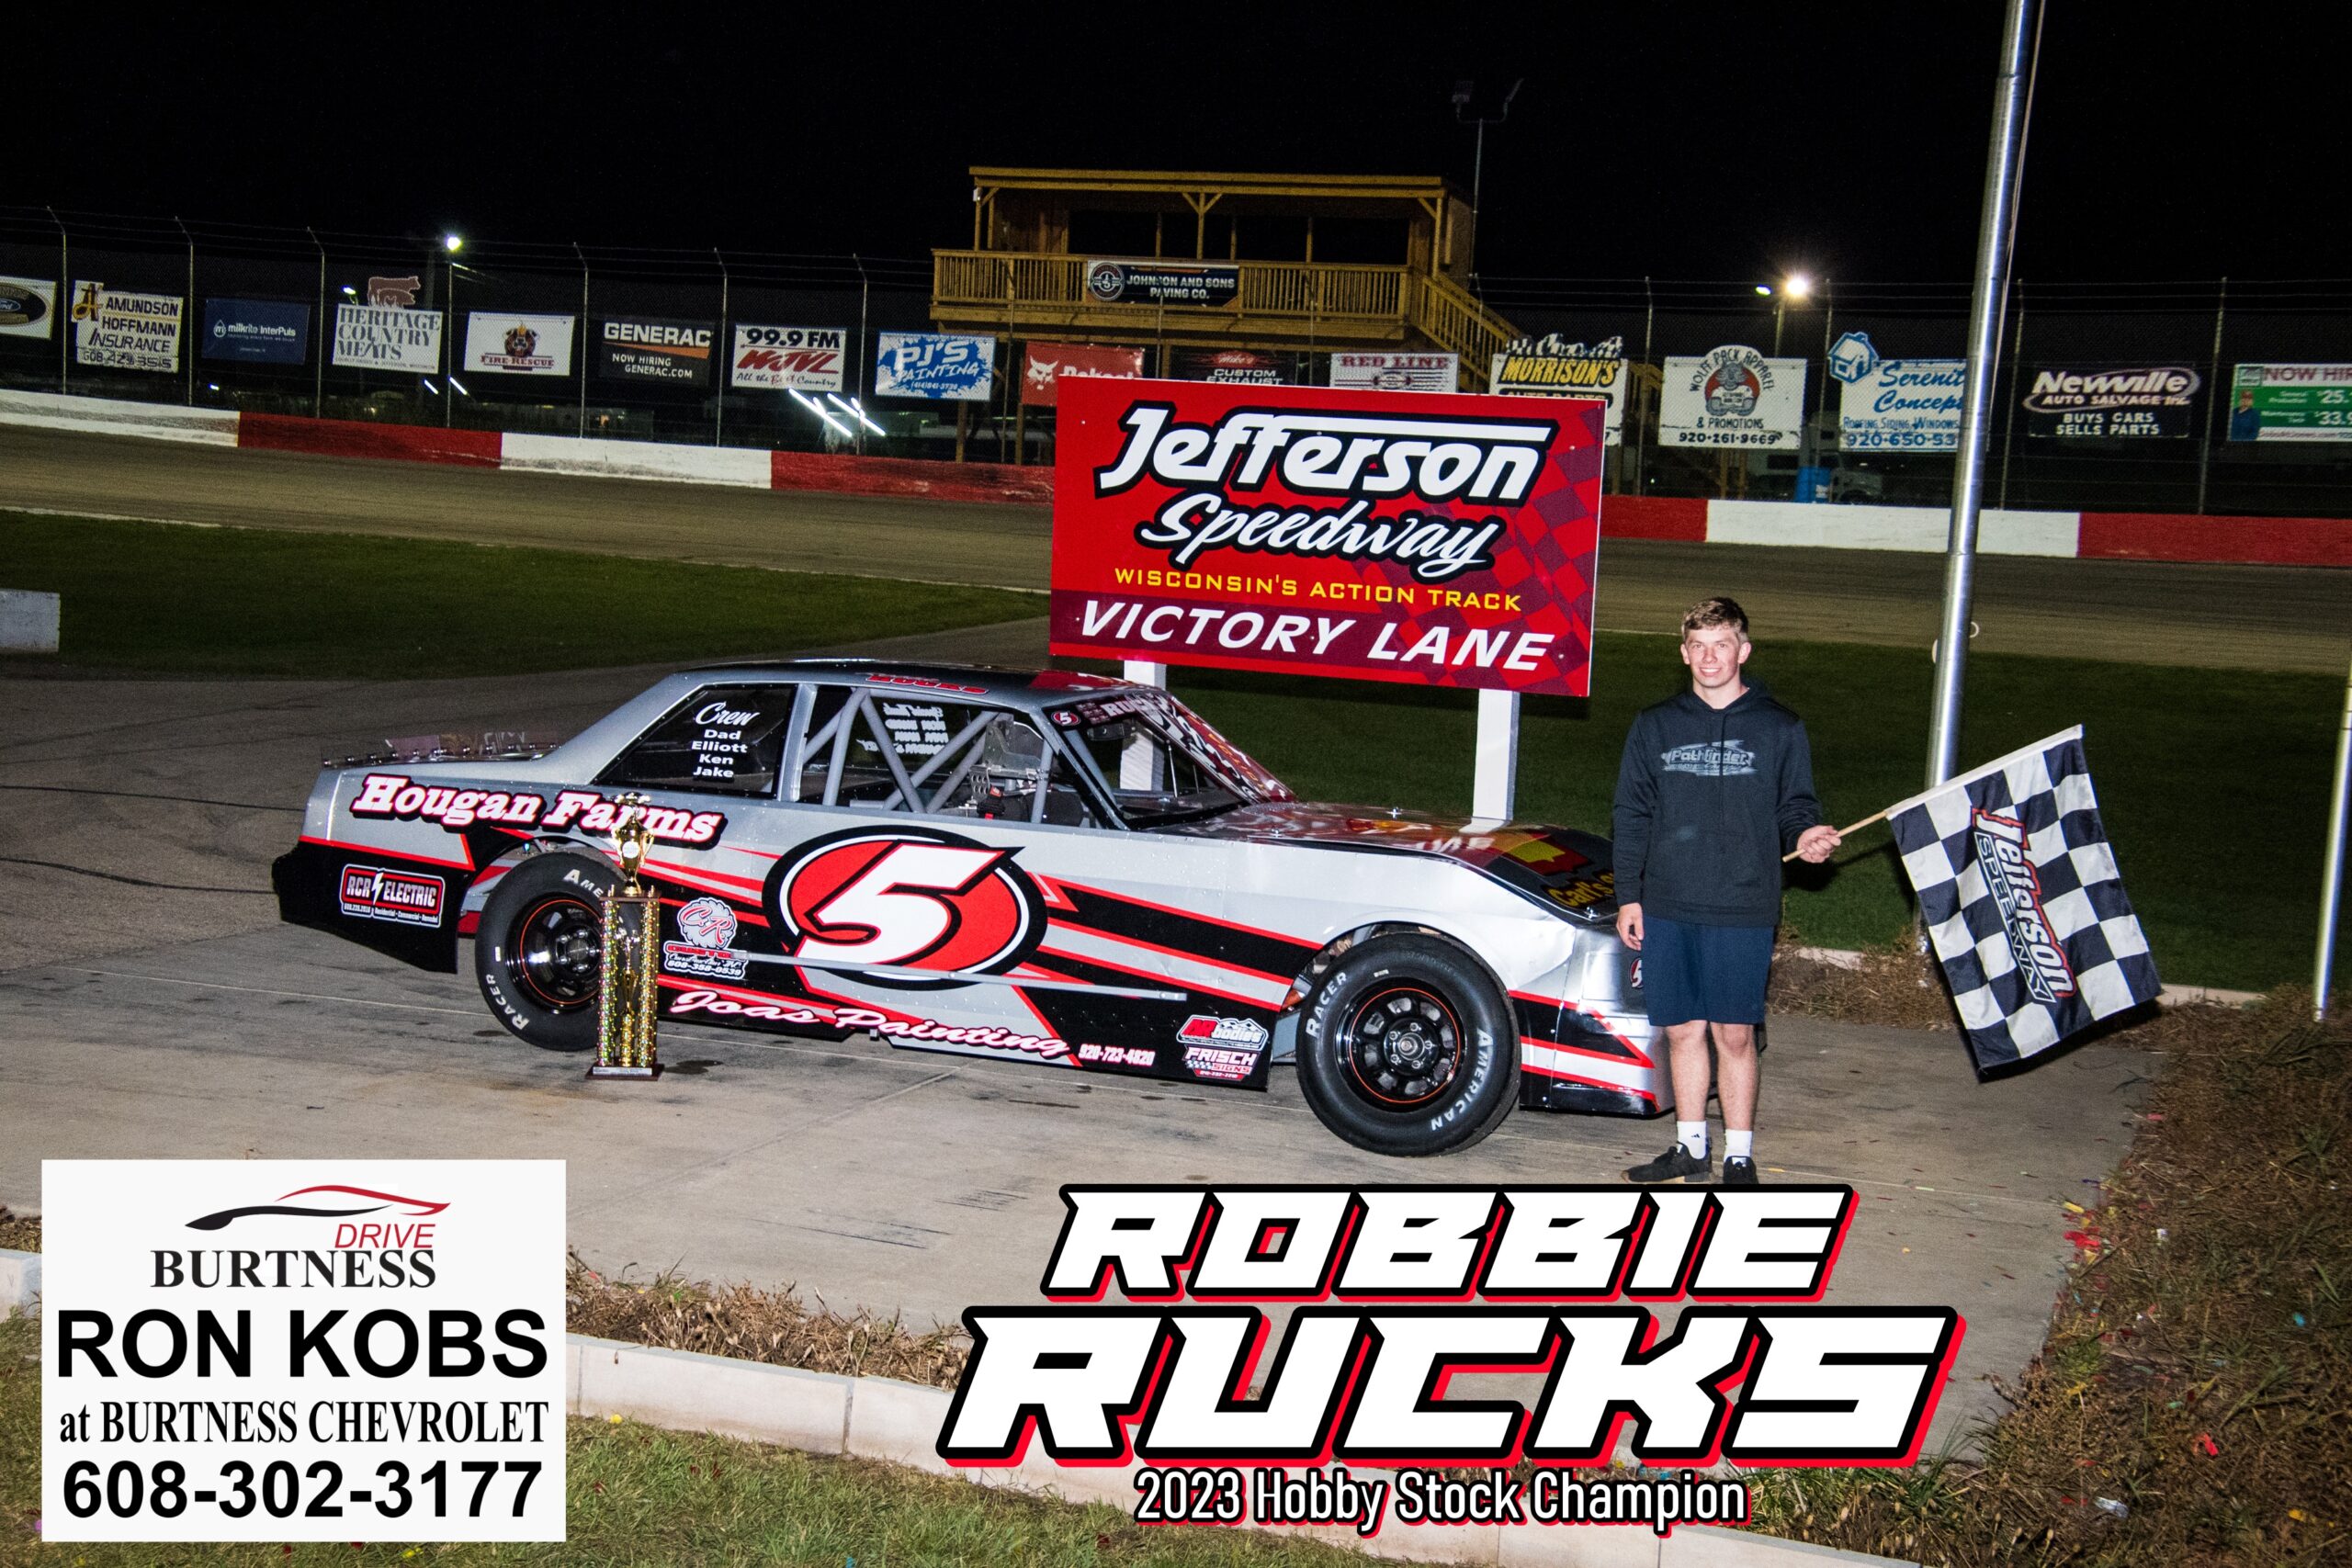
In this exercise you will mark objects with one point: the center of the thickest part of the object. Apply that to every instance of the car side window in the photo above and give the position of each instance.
(722, 740)
(896, 752)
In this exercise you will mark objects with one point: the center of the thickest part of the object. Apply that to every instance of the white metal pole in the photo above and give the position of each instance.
(2331, 888)
(2012, 97)
(1494, 780)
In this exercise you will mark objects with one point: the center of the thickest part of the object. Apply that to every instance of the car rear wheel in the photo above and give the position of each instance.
(1406, 1047)
(539, 950)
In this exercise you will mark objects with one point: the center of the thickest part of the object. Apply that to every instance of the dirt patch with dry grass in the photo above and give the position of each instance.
(1896, 985)
(758, 1325)
(19, 1232)
(2192, 1403)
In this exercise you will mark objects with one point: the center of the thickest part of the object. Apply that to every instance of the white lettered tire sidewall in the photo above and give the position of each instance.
(533, 882)
(1485, 1087)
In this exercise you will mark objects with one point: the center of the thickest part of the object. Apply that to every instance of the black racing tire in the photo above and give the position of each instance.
(538, 951)
(1406, 1047)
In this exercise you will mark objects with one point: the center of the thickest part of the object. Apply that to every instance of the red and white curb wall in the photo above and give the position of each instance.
(2112, 535)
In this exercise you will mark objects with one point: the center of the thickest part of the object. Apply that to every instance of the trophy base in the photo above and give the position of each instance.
(600, 1071)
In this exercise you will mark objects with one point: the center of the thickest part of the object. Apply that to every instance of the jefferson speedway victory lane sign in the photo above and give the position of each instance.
(1432, 539)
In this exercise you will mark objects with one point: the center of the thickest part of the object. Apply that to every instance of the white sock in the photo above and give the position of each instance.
(1692, 1135)
(1738, 1146)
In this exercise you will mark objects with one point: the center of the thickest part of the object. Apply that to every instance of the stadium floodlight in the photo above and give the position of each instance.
(1797, 286)
(819, 409)
(849, 406)
(452, 243)
(1765, 289)
(350, 291)
(460, 386)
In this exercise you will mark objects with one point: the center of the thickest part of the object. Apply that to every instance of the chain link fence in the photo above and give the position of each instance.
(2204, 327)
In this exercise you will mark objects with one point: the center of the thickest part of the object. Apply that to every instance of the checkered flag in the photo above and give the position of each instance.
(2019, 892)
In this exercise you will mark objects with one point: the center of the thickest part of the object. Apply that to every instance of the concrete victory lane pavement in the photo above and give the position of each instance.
(151, 1004)
(2160, 612)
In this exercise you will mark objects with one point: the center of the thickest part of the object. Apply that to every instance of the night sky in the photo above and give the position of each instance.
(1682, 140)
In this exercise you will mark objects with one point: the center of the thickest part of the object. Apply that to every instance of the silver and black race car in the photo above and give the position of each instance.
(1048, 867)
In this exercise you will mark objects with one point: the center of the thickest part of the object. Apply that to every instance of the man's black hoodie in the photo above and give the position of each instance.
(1708, 800)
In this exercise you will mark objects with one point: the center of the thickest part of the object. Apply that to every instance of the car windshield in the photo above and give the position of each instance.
(1163, 764)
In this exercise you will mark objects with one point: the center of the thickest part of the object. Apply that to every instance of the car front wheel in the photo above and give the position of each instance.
(1406, 1047)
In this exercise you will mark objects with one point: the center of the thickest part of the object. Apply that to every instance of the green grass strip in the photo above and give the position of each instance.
(143, 597)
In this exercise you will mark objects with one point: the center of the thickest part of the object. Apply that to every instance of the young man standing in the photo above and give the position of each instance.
(1716, 784)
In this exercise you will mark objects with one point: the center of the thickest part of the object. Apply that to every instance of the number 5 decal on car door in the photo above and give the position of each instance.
(907, 899)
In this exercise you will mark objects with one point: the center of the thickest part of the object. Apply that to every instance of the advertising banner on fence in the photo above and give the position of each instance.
(1237, 366)
(27, 307)
(2285, 402)
(650, 348)
(1895, 405)
(303, 1350)
(802, 359)
(1162, 282)
(259, 332)
(386, 337)
(1550, 367)
(1044, 363)
(2112, 402)
(1733, 395)
(503, 345)
(115, 329)
(1443, 541)
(1398, 372)
(943, 367)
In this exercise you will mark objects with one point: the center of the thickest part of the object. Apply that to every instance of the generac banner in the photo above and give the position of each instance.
(1425, 538)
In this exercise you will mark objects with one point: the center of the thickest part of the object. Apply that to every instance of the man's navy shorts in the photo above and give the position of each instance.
(1714, 973)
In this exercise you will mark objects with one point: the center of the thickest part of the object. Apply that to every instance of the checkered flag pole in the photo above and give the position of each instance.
(2020, 895)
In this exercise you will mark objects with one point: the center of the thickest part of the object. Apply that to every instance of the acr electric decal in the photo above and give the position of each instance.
(1225, 1049)
(402, 798)
(708, 952)
(381, 893)
(906, 898)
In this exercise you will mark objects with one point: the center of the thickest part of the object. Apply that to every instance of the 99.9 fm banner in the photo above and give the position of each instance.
(1416, 537)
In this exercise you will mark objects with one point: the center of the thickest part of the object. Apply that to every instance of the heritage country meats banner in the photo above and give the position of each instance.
(1428, 539)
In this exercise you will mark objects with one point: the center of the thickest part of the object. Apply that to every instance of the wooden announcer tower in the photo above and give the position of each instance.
(1396, 261)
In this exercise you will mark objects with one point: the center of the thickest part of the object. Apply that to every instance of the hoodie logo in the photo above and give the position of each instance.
(1710, 760)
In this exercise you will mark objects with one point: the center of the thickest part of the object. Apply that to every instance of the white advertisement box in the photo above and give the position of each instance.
(303, 1350)
(1733, 397)
(388, 338)
(503, 345)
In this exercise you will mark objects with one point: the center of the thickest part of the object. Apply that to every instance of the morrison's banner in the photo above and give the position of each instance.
(1436, 540)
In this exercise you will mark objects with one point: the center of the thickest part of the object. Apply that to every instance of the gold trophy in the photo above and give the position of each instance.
(626, 997)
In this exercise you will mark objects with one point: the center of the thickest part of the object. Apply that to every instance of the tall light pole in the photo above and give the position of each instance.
(1463, 92)
(1797, 287)
(2004, 168)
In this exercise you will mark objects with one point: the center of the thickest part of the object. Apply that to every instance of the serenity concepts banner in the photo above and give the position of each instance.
(1405, 537)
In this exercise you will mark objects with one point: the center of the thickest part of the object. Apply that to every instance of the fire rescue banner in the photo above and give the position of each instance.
(2275, 402)
(115, 329)
(388, 338)
(647, 348)
(1398, 372)
(504, 345)
(799, 359)
(1044, 363)
(1406, 536)
(1733, 395)
(2107, 403)
(1550, 368)
(27, 307)
(303, 1350)
(956, 367)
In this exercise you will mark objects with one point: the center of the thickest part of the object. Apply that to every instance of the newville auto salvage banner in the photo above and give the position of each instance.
(1437, 540)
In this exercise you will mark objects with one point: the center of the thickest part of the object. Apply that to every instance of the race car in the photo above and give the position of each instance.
(1049, 867)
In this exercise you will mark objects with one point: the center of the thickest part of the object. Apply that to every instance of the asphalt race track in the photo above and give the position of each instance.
(2141, 612)
(149, 1004)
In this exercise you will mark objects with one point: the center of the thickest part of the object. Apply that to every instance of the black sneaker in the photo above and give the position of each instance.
(1678, 1164)
(1739, 1171)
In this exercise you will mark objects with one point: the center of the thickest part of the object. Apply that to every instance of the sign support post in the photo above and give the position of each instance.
(1494, 784)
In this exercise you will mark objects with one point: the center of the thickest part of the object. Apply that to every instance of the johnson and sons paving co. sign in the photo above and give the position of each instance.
(1432, 539)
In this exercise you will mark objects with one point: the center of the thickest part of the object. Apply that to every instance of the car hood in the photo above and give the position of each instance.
(1563, 869)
